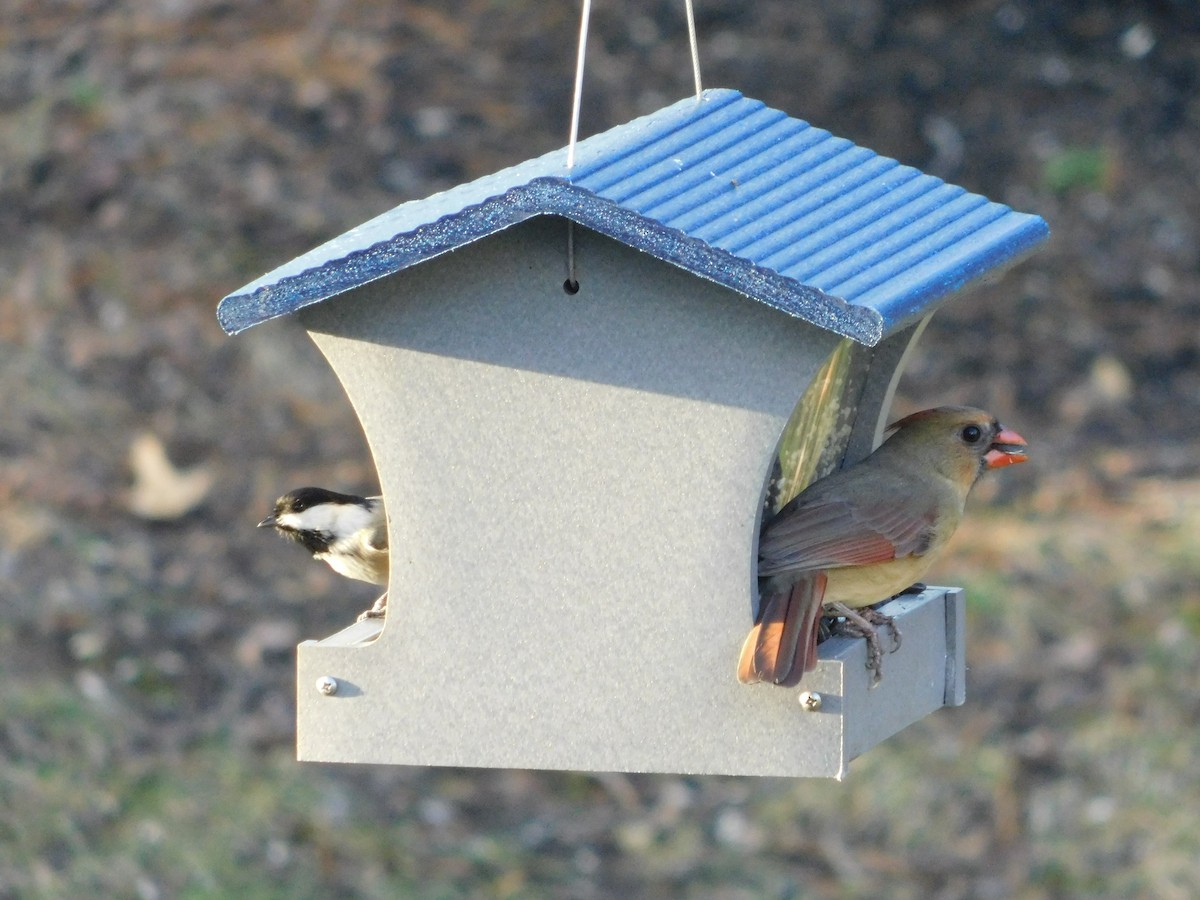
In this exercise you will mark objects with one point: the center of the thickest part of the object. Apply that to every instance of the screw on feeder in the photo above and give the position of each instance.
(810, 701)
(327, 685)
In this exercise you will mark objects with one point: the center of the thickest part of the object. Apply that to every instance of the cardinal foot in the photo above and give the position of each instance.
(865, 623)
(880, 620)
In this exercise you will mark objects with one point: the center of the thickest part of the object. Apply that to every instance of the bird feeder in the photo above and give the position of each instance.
(576, 481)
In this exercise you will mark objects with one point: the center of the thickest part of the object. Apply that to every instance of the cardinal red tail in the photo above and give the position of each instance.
(783, 645)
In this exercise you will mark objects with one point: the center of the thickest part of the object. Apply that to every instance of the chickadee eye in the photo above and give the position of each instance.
(972, 433)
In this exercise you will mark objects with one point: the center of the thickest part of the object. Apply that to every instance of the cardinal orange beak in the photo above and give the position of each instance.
(1007, 449)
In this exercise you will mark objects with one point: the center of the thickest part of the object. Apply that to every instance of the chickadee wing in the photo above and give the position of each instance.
(378, 538)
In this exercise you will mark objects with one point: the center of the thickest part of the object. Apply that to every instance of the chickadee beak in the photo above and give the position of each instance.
(1007, 449)
(268, 522)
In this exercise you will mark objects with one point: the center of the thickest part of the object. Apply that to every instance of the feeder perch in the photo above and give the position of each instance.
(575, 483)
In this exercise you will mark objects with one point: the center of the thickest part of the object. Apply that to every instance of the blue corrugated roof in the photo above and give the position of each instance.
(722, 186)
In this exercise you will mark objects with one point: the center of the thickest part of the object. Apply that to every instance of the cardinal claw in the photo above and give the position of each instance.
(880, 620)
(865, 623)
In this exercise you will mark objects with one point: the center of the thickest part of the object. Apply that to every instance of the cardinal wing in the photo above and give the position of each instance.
(832, 533)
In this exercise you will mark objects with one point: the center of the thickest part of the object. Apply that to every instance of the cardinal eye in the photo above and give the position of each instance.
(972, 433)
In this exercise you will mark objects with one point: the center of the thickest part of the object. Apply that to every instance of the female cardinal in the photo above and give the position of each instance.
(867, 532)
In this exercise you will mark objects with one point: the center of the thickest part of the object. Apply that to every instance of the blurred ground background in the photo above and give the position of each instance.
(155, 156)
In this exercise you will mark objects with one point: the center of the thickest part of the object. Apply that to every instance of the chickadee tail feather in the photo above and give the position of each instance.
(783, 645)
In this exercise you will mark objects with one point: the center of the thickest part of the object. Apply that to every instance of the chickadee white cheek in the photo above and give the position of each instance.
(350, 518)
(289, 522)
(337, 519)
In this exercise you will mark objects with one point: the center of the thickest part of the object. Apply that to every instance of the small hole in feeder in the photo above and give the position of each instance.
(571, 286)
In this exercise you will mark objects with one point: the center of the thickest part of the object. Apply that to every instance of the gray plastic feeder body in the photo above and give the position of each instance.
(575, 483)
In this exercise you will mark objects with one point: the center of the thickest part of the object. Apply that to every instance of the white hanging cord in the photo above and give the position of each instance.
(691, 21)
(571, 285)
(583, 36)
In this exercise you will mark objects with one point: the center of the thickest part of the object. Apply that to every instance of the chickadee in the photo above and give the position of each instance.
(348, 532)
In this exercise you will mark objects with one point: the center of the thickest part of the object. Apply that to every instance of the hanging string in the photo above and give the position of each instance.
(691, 21)
(571, 285)
(583, 36)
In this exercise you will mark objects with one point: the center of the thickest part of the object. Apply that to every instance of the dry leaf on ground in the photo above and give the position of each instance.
(160, 491)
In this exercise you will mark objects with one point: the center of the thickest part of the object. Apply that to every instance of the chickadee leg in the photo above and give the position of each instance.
(865, 623)
(377, 611)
